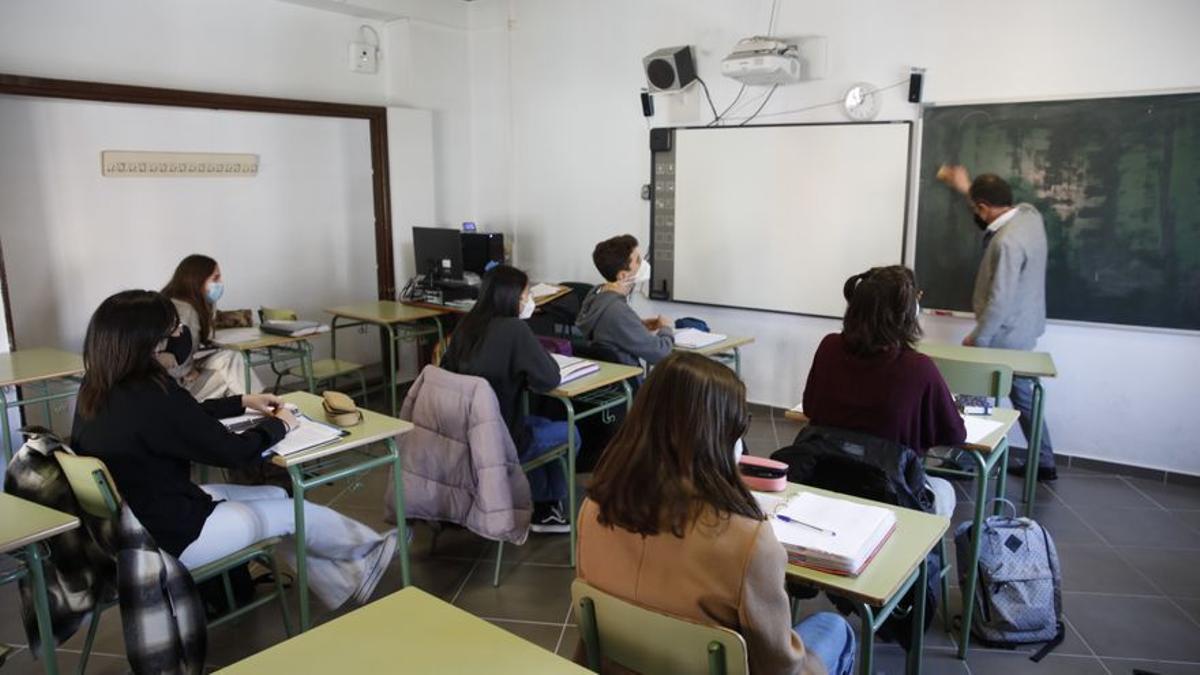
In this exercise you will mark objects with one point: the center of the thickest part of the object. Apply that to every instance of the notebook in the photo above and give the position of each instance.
(572, 367)
(541, 290)
(310, 434)
(979, 428)
(293, 328)
(827, 533)
(696, 339)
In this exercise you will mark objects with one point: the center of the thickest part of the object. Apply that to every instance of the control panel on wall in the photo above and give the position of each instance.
(662, 213)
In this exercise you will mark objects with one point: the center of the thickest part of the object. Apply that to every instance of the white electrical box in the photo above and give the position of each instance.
(364, 57)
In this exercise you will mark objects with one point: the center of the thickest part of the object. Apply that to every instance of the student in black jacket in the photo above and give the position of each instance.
(149, 430)
(493, 342)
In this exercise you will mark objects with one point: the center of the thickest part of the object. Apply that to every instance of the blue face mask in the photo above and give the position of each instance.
(213, 291)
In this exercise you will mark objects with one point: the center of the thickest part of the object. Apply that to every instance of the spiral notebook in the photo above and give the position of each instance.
(833, 535)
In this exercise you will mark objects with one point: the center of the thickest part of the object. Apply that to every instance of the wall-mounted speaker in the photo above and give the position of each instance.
(670, 68)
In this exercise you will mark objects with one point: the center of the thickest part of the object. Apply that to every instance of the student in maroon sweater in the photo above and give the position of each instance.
(868, 378)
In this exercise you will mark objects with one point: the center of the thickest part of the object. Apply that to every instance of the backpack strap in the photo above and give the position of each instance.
(1049, 646)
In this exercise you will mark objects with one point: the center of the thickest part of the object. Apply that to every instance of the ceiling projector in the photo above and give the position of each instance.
(758, 61)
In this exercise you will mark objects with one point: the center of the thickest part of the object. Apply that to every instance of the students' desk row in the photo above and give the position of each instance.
(251, 342)
(335, 461)
(408, 631)
(898, 566)
(23, 526)
(458, 309)
(40, 367)
(729, 349)
(987, 453)
(1034, 365)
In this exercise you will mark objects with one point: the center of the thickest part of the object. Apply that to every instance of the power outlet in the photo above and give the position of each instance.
(364, 58)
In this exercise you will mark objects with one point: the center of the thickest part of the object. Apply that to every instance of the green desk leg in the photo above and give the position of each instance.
(391, 365)
(401, 513)
(246, 362)
(917, 648)
(7, 441)
(1033, 456)
(983, 470)
(41, 607)
(306, 365)
(737, 361)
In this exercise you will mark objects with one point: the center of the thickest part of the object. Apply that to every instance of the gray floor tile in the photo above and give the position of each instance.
(1064, 525)
(526, 592)
(1172, 571)
(999, 663)
(1072, 645)
(890, 660)
(1168, 495)
(544, 549)
(1127, 667)
(22, 663)
(1150, 528)
(441, 577)
(1108, 491)
(1190, 517)
(448, 542)
(570, 639)
(11, 631)
(1099, 569)
(542, 635)
(234, 641)
(1190, 606)
(1133, 627)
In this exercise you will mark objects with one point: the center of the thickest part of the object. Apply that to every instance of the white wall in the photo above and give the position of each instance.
(578, 155)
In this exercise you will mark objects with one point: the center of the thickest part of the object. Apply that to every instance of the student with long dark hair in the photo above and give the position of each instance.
(493, 341)
(669, 525)
(869, 378)
(148, 431)
(194, 288)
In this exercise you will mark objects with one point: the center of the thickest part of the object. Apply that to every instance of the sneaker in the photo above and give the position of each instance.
(377, 563)
(549, 518)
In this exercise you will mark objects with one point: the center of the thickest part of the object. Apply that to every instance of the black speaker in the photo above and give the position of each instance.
(660, 139)
(647, 104)
(670, 68)
(914, 85)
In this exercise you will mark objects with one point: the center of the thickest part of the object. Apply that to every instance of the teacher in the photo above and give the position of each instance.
(1009, 299)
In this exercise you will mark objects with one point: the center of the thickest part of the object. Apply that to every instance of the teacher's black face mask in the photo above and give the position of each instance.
(980, 222)
(180, 346)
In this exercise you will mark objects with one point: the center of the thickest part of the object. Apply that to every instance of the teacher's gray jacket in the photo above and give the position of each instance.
(1010, 288)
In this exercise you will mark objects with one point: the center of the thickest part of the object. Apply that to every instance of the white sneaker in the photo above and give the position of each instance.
(379, 559)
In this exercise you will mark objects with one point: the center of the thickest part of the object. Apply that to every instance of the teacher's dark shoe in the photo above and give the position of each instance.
(1044, 473)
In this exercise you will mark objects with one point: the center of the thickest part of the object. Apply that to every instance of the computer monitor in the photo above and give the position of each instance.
(481, 248)
(438, 253)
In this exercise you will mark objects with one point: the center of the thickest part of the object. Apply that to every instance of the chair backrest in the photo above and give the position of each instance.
(975, 379)
(91, 483)
(650, 642)
(276, 314)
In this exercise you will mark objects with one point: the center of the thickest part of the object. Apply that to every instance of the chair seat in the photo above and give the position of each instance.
(327, 368)
(216, 567)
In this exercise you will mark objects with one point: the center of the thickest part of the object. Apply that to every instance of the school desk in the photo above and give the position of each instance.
(729, 349)
(30, 367)
(252, 341)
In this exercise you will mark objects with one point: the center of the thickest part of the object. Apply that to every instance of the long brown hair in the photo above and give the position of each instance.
(673, 455)
(882, 312)
(122, 337)
(187, 284)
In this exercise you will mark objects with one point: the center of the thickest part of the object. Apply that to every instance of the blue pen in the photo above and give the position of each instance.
(808, 525)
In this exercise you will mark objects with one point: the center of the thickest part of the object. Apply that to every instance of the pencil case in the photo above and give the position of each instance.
(762, 474)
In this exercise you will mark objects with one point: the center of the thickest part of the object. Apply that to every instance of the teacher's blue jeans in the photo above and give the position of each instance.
(546, 483)
(829, 637)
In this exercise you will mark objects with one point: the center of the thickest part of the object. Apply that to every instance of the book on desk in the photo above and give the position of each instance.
(828, 534)
(691, 338)
(293, 328)
(572, 367)
(310, 434)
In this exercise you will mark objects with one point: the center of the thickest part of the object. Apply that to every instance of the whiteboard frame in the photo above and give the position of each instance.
(909, 204)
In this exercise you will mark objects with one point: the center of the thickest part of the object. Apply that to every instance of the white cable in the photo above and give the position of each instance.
(818, 105)
(771, 23)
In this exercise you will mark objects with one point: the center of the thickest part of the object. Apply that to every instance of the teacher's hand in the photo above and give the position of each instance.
(955, 176)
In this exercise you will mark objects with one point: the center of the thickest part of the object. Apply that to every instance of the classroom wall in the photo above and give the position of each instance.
(568, 126)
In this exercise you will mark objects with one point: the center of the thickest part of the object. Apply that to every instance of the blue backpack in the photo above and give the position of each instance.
(1018, 595)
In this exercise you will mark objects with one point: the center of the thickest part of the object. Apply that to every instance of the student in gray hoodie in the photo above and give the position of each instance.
(606, 317)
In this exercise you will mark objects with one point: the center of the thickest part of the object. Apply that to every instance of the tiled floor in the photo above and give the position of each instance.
(1130, 551)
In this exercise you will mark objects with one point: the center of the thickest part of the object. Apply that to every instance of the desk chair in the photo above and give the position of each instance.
(96, 492)
(651, 642)
(324, 370)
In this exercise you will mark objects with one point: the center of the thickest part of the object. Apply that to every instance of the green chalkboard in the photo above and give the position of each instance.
(1117, 181)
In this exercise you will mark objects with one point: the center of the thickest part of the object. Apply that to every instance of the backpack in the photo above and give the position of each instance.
(1018, 594)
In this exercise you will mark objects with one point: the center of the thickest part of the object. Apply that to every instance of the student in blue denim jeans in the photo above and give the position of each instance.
(493, 341)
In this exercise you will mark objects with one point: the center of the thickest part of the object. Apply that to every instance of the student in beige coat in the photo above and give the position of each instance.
(668, 524)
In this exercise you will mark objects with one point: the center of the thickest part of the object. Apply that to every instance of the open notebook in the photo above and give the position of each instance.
(310, 434)
(696, 339)
(572, 367)
(826, 533)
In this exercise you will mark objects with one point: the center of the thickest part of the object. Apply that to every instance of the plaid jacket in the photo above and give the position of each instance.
(161, 613)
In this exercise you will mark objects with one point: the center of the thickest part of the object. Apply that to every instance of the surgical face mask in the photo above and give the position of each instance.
(213, 291)
(527, 308)
(643, 273)
(738, 449)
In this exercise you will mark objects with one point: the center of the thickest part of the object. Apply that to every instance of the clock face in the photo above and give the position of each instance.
(861, 102)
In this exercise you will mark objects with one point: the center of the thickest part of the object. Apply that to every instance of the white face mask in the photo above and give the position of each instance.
(527, 308)
(738, 449)
(643, 273)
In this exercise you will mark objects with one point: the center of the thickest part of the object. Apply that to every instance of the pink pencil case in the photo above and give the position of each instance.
(764, 475)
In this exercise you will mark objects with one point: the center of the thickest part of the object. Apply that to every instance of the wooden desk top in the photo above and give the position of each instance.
(562, 290)
(728, 344)
(387, 312)
(23, 522)
(251, 338)
(609, 373)
(915, 536)
(408, 631)
(34, 365)
(1023, 363)
(374, 427)
(1005, 416)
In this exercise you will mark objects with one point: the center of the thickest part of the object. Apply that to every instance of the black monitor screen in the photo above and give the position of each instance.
(438, 252)
(481, 248)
